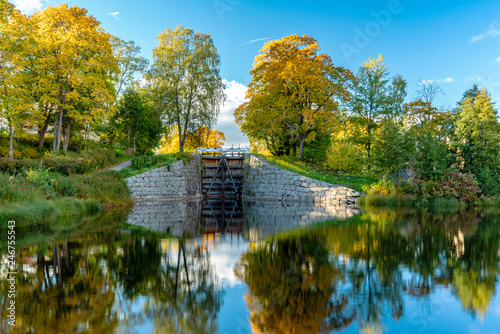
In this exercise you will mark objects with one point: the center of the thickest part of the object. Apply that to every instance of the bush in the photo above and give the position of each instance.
(30, 153)
(463, 187)
(383, 187)
(42, 179)
(346, 157)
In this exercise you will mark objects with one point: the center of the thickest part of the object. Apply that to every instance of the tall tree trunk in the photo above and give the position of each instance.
(181, 141)
(66, 134)
(294, 149)
(56, 128)
(301, 150)
(11, 138)
(42, 131)
(59, 130)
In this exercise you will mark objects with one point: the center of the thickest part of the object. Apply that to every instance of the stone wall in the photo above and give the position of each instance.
(264, 181)
(178, 181)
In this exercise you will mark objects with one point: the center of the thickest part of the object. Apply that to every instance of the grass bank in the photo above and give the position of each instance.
(142, 164)
(435, 204)
(353, 181)
(50, 190)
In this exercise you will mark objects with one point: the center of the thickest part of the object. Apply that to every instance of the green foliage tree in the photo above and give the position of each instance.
(431, 157)
(390, 149)
(185, 80)
(129, 62)
(476, 138)
(371, 97)
(136, 123)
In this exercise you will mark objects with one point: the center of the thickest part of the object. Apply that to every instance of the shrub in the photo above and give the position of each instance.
(64, 186)
(42, 179)
(345, 156)
(463, 187)
(383, 187)
(30, 153)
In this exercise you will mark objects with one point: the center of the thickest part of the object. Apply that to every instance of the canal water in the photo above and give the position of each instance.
(270, 268)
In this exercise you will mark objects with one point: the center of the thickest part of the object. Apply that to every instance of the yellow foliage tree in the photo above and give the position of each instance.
(295, 92)
(13, 93)
(74, 63)
(202, 137)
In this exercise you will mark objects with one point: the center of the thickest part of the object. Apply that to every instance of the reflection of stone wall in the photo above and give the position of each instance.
(266, 218)
(265, 181)
(176, 217)
(261, 218)
(179, 182)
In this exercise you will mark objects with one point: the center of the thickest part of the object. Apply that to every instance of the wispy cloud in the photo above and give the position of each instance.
(493, 31)
(28, 6)
(497, 60)
(446, 80)
(257, 40)
(473, 78)
(115, 15)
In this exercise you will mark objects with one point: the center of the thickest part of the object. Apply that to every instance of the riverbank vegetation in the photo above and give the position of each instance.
(71, 106)
(361, 127)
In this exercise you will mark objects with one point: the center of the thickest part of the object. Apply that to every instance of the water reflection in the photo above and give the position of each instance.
(374, 272)
(197, 218)
(326, 278)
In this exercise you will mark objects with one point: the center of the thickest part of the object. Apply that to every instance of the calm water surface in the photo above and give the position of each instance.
(271, 269)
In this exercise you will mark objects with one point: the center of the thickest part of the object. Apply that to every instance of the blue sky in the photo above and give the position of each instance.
(456, 43)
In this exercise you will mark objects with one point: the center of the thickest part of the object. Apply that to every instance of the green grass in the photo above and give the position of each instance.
(142, 164)
(352, 181)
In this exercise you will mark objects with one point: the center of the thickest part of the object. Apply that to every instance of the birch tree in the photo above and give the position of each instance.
(185, 80)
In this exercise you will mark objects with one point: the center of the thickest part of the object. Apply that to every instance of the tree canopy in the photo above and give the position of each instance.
(185, 80)
(295, 93)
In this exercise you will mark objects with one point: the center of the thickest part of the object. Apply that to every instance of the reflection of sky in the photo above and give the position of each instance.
(224, 256)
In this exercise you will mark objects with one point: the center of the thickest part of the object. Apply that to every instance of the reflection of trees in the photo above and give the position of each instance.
(290, 286)
(187, 297)
(475, 271)
(97, 282)
(371, 264)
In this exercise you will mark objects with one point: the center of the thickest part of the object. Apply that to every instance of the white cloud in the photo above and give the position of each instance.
(257, 40)
(235, 96)
(115, 15)
(497, 60)
(493, 31)
(446, 80)
(427, 81)
(28, 6)
(473, 78)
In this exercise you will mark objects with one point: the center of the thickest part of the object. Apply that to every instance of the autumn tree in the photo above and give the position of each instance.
(295, 92)
(14, 96)
(185, 80)
(75, 58)
(202, 137)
